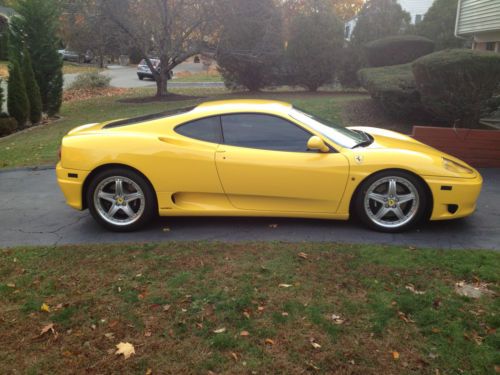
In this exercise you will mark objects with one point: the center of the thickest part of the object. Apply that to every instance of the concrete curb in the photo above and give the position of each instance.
(29, 169)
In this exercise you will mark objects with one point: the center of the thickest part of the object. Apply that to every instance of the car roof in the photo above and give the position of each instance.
(242, 106)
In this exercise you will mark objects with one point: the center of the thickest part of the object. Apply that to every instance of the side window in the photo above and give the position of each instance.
(206, 129)
(264, 132)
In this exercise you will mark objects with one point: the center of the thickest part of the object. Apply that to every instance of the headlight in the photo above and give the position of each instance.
(455, 167)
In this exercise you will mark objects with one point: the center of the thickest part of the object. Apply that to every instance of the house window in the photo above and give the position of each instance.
(418, 18)
(490, 46)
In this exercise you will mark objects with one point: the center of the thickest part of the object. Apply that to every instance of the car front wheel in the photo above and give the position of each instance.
(391, 201)
(121, 200)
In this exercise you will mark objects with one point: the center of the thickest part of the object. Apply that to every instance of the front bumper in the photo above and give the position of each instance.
(454, 198)
(71, 183)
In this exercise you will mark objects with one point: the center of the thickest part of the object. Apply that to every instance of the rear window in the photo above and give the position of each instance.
(154, 116)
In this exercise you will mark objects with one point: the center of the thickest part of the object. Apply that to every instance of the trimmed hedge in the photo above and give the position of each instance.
(456, 84)
(8, 125)
(92, 80)
(394, 88)
(397, 50)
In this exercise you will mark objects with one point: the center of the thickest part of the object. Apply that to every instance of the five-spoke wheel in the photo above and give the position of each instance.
(391, 201)
(120, 199)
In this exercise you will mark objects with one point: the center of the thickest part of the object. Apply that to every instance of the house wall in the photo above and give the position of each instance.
(477, 16)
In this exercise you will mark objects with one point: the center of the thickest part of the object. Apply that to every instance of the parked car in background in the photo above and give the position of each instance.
(69, 55)
(143, 70)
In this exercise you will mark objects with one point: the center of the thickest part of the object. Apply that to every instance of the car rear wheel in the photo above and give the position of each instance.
(141, 77)
(121, 200)
(391, 201)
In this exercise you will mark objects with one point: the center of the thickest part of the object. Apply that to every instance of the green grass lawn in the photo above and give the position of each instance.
(240, 308)
(199, 77)
(39, 145)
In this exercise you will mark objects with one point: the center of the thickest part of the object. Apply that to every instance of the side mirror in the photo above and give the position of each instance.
(316, 143)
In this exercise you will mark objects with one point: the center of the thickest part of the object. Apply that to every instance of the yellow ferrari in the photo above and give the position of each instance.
(258, 158)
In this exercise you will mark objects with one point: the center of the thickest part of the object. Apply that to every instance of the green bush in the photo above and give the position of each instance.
(32, 89)
(17, 101)
(397, 50)
(88, 81)
(351, 61)
(394, 88)
(455, 84)
(8, 125)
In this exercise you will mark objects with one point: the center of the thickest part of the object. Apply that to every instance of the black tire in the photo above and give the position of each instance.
(418, 209)
(149, 204)
(141, 77)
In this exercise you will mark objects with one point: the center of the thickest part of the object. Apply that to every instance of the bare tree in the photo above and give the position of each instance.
(170, 30)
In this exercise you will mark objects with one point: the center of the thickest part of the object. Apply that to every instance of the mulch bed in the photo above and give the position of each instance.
(83, 94)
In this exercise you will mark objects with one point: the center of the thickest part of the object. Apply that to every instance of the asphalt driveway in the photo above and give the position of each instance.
(33, 212)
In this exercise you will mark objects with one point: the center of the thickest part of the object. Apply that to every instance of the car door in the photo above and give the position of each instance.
(264, 165)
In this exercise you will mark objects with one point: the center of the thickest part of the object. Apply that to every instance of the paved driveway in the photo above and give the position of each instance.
(33, 212)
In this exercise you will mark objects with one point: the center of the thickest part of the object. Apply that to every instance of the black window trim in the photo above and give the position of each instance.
(220, 135)
(331, 149)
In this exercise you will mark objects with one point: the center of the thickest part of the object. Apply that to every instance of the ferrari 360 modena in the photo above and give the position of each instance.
(258, 158)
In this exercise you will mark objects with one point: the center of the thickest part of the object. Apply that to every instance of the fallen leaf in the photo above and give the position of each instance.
(337, 319)
(166, 307)
(11, 285)
(149, 372)
(166, 229)
(269, 342)
(220, 330)
(244, 333)
(497, 369)
(412, 289)
(303, 255)
(109, 335)
(284, 313)
(125, 348)
(395, 355)
(45, 307)
(261, 308)
(404, 317)
(315, 345)
(48, 328)
(147, 334)
(285, 285)
(313, 366)
(273, 226)
(246, 314)
(235, 356)
(435, 330)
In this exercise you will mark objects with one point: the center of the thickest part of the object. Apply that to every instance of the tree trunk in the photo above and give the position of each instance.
(161, 84)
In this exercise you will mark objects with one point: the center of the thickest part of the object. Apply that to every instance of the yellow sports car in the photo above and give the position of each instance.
(258, 158)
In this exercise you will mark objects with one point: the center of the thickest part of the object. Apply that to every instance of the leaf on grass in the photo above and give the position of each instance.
(147, 334)
(285, 285)
(412, 289)
(125, 348)
(269, 342)
(109, 335)
(312, 366)
(404, 317)
(261, 308)
(315, 345)
(303, 255)
(166, 307)
(395, 355)
(244, 333)
(220, 330)
(11, 285)
(246, 314)
(149, 372)
(284, 313)
(45, 307)
(337, 319)
(235, 356)
(48, 328)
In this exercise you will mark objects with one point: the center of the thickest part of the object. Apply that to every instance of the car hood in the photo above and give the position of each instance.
(389, 143)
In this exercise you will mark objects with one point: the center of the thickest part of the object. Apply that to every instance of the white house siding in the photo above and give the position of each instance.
(417, 8)
(478, 16)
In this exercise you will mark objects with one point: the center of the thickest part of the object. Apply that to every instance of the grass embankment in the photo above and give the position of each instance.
(268, 308)
(68, 68)
(39, 145)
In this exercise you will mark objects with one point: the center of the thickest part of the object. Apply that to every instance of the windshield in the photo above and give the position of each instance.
(337, 134)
